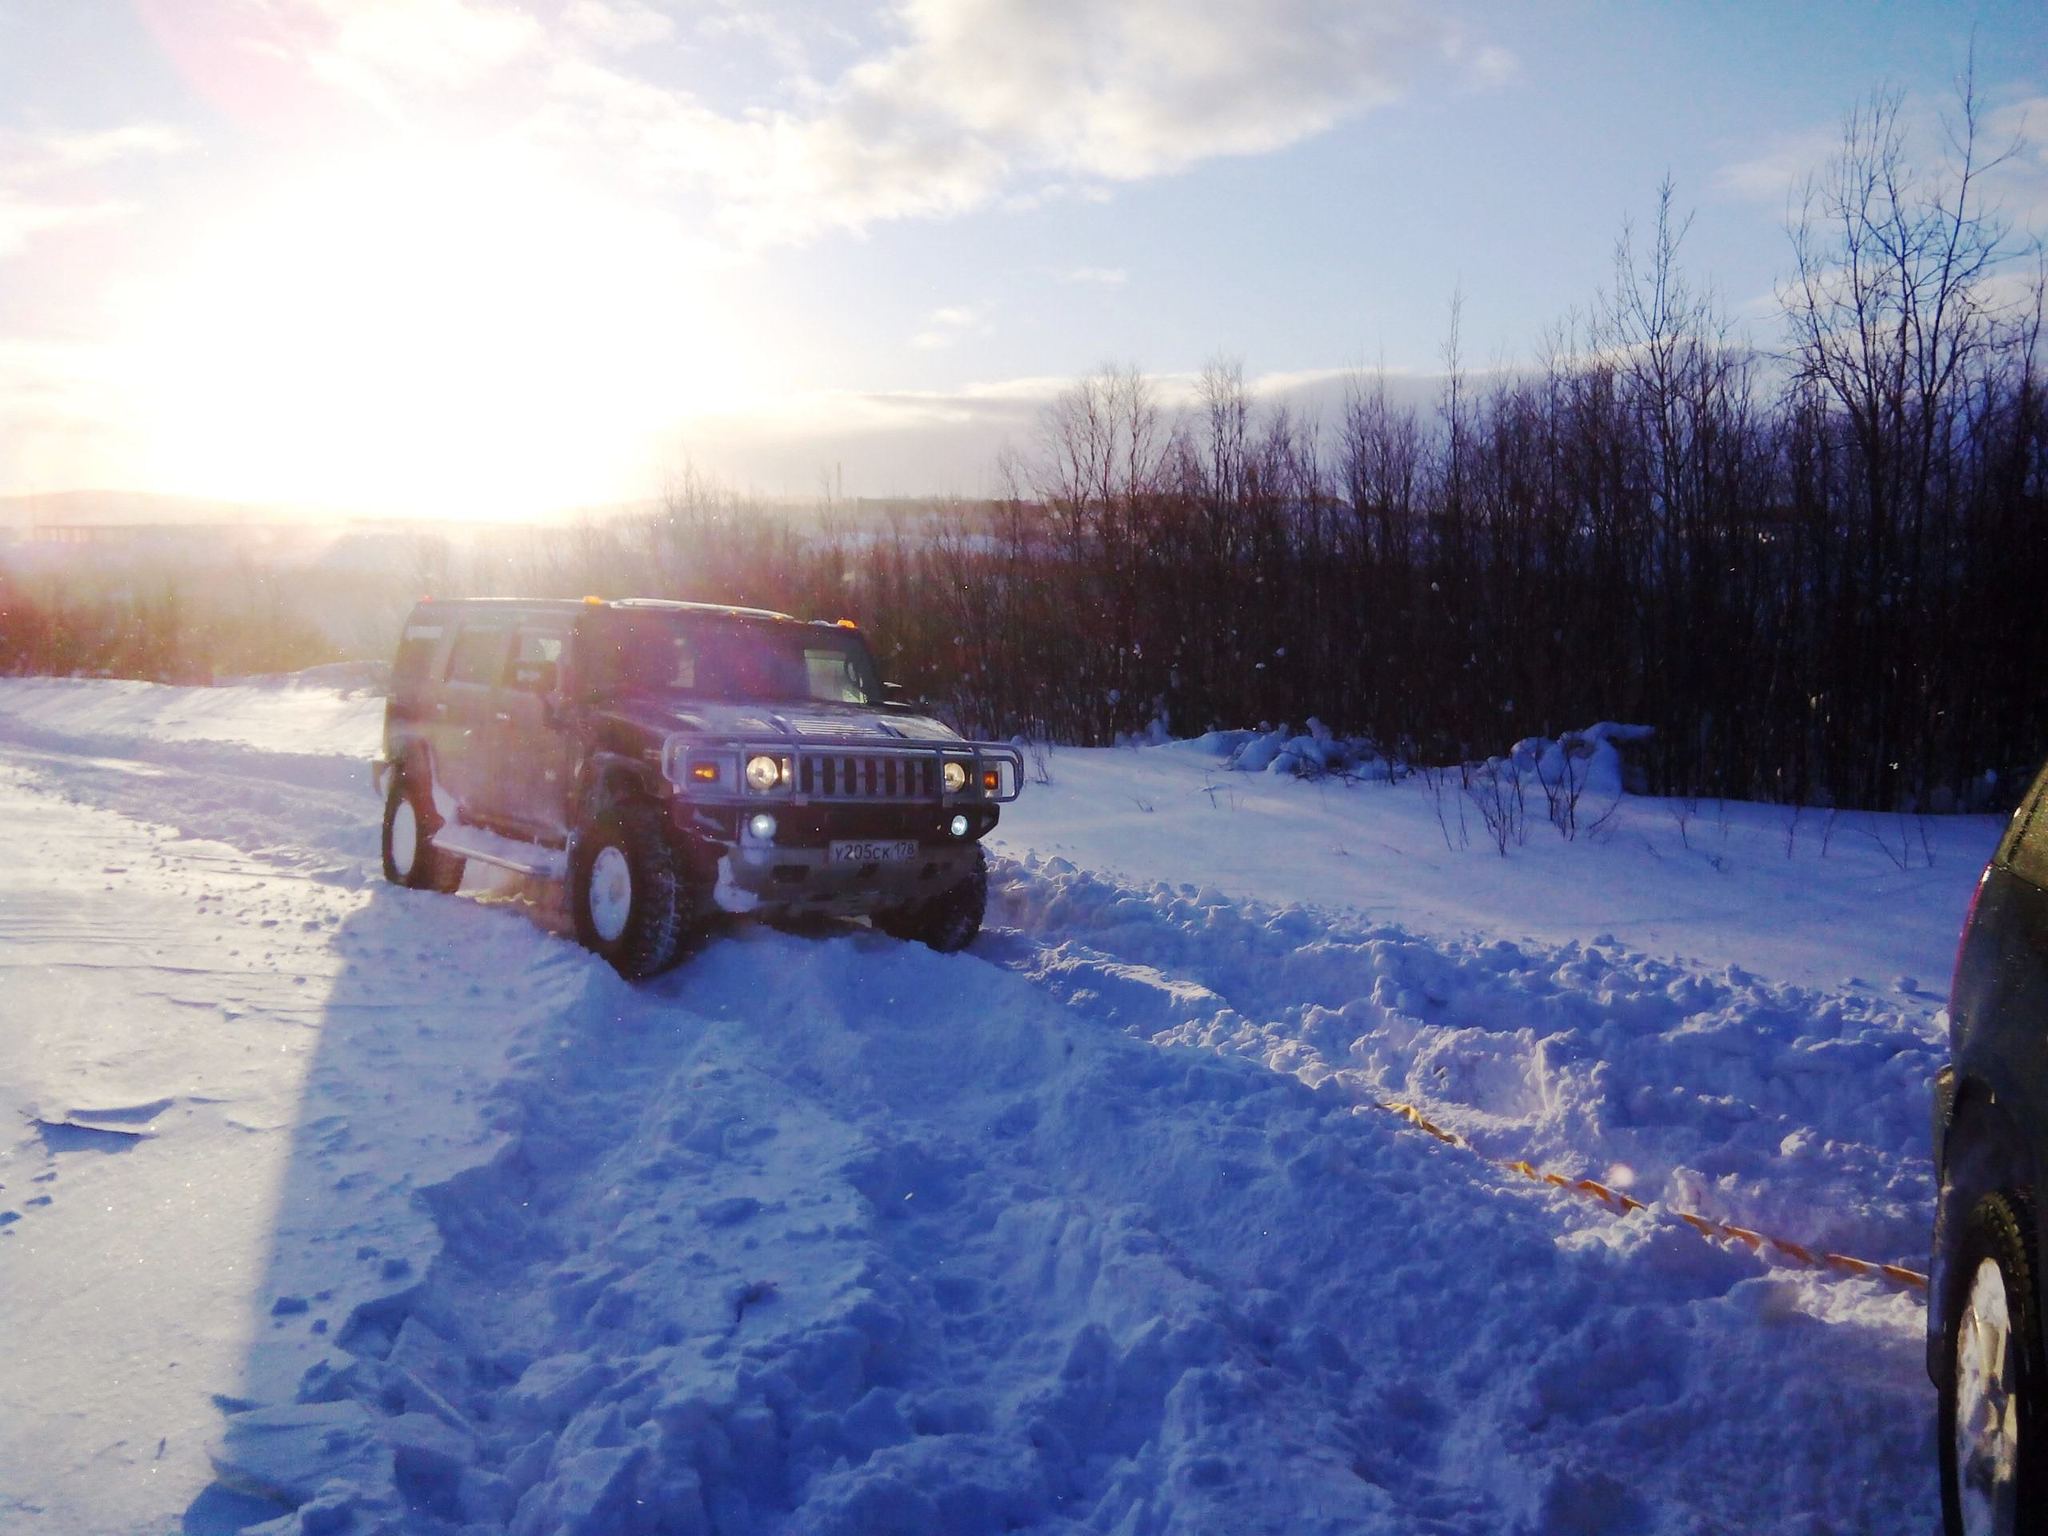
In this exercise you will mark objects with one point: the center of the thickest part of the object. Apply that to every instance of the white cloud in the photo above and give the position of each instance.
(22, 220)
(959, 104)
(2020, 182)
(943, 327)
(618, 25)
(55, 181)
(1776, 171)
(928, 108)
(1492, 66)
(2011, 152)
(386, 51)
(109, 146)
(1130, 90)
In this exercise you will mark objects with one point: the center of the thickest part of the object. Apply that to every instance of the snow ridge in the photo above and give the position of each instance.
(829, 1234)
(821, 1276)
(1781, 1108)
(1084, 1230)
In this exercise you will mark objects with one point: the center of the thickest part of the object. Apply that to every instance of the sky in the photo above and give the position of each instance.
(473, 259)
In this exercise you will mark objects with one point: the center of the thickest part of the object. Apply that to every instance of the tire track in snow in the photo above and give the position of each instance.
(772, 1259)
(1149, 1290)
(1771, 1107)
(834, 1235)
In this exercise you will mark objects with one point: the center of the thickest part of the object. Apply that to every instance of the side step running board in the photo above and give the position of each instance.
(504, 852)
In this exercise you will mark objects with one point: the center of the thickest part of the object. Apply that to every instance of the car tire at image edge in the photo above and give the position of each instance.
(1992, 1421)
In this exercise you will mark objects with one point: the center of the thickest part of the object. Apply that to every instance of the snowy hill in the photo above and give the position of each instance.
(325, 1205)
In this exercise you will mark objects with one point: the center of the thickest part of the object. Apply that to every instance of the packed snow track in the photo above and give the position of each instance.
(329, 1206)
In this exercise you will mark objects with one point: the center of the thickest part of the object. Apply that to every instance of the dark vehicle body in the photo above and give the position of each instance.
(760, 753)
(1986, 1290)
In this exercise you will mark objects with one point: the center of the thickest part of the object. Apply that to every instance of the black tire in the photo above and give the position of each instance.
(410, 858)
(948, 921)
(630, 902)
(1994, 1375)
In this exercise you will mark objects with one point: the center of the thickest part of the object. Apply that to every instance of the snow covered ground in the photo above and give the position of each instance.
(326, 1206)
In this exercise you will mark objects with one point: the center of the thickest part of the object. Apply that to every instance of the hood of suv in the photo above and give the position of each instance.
(798, 721)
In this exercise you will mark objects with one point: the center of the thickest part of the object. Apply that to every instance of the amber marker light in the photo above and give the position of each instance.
(991, 780)
(704, 773)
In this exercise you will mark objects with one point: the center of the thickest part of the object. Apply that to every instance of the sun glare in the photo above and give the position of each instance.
(433, 337)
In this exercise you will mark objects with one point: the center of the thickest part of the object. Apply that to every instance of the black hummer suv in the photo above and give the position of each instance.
(667, 760)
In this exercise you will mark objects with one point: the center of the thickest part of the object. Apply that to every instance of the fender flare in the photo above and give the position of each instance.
(602, 776)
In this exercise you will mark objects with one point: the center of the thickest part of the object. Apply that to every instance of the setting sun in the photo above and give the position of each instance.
(441, 333)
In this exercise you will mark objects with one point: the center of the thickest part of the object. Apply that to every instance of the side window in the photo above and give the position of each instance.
(536, 662)
(416, 650)
(479, 656)
(2027, 850)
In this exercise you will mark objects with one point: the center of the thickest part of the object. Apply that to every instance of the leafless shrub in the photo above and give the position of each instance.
(1435, 782)
(1038, 753)
(1496, 790)
(1682, 809)
(1562, 789)
(1902, 837)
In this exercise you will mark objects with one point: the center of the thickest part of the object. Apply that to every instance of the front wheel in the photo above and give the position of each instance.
(948, 921)
(629, 901)
(410, 857)
(1994, 1476)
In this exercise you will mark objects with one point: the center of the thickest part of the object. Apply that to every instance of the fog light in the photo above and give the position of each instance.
(763, 828)
(959, 826)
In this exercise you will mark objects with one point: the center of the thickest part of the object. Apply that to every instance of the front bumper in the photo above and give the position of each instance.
(755, 877)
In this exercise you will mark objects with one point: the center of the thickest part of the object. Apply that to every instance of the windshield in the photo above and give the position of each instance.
(710, 656)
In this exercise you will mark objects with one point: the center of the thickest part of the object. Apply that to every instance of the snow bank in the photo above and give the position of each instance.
(1799, 1113)
(835, 1235)
(1588, 761)
(297, 714)
(1090, 1229)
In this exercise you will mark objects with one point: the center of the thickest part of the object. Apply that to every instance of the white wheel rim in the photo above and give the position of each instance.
(611, 893)
(1987, 1434)
(405, 838)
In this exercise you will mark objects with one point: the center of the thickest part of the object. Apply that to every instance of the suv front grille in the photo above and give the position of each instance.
(867, 776)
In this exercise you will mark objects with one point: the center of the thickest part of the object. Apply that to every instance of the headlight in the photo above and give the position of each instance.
(955, 775)
(763, 774)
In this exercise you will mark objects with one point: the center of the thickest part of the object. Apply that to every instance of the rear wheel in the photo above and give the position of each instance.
(1994, 1476)
(410, 857)
(948, 921)
(629, 901)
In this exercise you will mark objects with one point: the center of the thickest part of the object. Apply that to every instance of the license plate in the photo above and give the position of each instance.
(874, 853)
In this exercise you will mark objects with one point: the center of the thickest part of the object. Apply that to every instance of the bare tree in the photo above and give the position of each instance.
(1889, 310)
